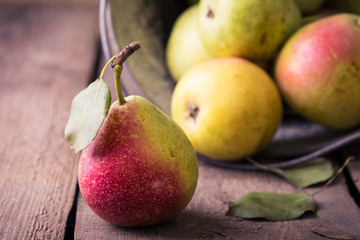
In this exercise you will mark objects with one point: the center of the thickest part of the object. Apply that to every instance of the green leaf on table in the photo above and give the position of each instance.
(88, 111)
(307, 173)
(272, 206)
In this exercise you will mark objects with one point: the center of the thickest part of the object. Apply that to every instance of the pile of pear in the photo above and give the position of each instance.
(238, 64)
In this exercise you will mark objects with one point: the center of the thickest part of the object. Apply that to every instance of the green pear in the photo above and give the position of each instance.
(309, 6)
(140, 169)
(252, 29)
(184, 48)
(318, 71)
(228, 107)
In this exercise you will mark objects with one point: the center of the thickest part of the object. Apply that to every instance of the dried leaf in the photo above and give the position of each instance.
(307, 173)
(272, 206)
(88, 111)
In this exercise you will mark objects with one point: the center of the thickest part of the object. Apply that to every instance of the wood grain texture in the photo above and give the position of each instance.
(83, 3)
(205, 218)
(46, 56)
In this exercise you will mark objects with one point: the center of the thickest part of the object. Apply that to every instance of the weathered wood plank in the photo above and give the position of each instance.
(92, 3)
(205, 218)
(46, 56)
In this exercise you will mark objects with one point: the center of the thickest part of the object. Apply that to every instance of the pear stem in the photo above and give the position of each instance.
(125, 53)
(117, 73)
(106, 65)
(117, 62)
(348, 160)
(259, 165)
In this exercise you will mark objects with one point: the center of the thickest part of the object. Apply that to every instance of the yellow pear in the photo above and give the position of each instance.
(184, 48)
(228, 107)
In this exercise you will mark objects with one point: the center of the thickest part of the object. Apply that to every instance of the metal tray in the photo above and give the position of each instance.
(145, 74)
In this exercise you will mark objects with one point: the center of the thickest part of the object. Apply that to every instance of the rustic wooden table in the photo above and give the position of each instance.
(48, 53)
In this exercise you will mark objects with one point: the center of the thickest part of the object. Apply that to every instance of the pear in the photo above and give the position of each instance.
(229, 108)
(140, 169)
(318, 71)
(184, 48)
(252, 29)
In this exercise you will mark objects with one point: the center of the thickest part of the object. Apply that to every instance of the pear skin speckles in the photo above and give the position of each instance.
(139, 170)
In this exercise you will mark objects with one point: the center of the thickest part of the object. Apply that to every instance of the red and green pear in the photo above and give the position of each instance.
(140, 170)
(137, 166)
(318, 71)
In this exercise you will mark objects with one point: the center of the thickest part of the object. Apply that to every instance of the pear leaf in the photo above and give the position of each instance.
(272, 206)
(88, 111)
(307, 173)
